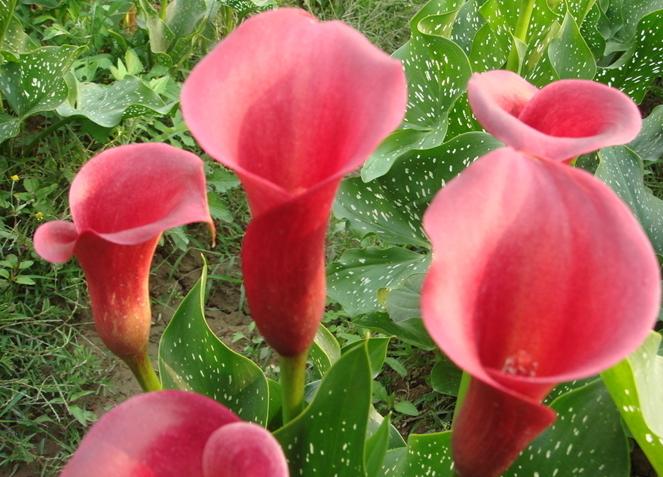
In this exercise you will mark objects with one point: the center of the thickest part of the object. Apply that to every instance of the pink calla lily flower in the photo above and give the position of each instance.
(175, 434)
(291, 105)
(121, 201)
(540, 275)
(559, 122)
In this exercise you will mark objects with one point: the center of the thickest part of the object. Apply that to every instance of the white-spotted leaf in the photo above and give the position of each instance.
(328, 438)
(586, 439)
(636, 386)
(622, 170)
(192, 358)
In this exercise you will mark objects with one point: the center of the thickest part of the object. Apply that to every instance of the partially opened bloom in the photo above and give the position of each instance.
(175, 434)
(540, 275)
(561, 121)
(121, 201)
(291, 105)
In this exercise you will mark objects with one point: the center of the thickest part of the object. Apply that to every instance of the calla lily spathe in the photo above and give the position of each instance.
(121, 201)
(291, 105)
(540, 273)
(175, 434)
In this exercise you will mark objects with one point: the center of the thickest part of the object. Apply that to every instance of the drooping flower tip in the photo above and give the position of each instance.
(559, 122)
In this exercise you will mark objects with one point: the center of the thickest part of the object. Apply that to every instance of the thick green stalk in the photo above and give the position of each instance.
(462, 391)
(293, 380)
(143, 370)
(521, 33)
(163, 9)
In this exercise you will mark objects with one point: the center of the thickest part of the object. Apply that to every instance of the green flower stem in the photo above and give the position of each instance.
(163, 10)
(293, 379)
(521, 33)
(462, 391)
(142, 368)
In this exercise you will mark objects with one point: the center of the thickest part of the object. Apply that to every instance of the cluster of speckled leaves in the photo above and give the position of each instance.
(37, 79)
(614, 41)
(338, 433)
(611, 40)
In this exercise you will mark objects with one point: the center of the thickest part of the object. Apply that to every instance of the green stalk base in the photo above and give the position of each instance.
(293, 380)
(143, 370)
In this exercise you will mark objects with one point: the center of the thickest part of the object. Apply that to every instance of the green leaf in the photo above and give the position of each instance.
(9, 127)
(620, 20)
(108, 105)
(358, 278)
(191, 357)
(7, 8)
(183, 16)
(587, 439)
(375, 420)
(569, 54)
(15, 41)
(407, 408)
(328, 438)
(502, 16)
(428, 454)
(622, 170)
(445, 377)
(404, 302)
(376, 448)
(649, 143)
(393, 205)
(325, 350)
(636, 386)
(437, 71)
(377, 352)
(635, 75)
(222, 180)
(410, 331)
(35, 83)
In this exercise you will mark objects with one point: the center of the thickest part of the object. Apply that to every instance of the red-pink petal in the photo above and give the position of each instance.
(540, 274)
(161, 434)
(284, 269)
(130, 194)
(121, 201)
(563, 120)
(117, 279)
(243, 449)
(492, 428)
(55, 241)
(291, 104)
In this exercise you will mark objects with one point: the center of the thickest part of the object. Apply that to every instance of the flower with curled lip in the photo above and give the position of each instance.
(175, 434)
(540, 273)
(559, 122)
(291, 105)
(121, 201)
